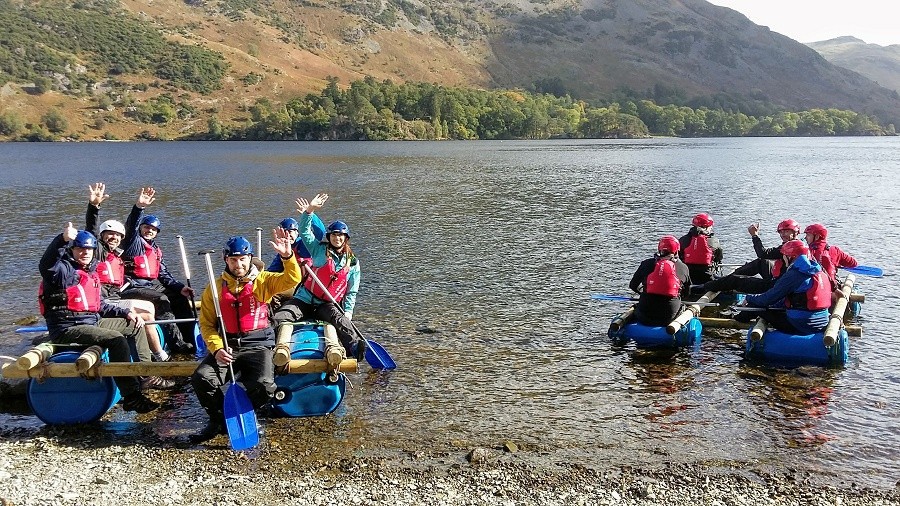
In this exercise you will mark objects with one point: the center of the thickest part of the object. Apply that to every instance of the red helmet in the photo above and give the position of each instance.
(793, 249)
(817, 229)
(702, 220)
(668, 244)
(789, 224)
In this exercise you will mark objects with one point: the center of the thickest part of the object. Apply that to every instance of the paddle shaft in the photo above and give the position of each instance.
(312, 274)
(259, 242)
(187, 273)
(215, 297)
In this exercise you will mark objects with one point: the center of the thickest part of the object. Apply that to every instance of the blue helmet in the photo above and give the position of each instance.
(84, 239)
(339, 227)
(289, 224)
(151, 220)
(237, 246)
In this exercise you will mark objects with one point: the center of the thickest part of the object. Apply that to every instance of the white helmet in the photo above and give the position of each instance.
(113, 225)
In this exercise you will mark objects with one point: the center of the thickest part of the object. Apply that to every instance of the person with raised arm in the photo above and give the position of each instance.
(334, 265)
(150, 278)
(244, 293)
(71, 302)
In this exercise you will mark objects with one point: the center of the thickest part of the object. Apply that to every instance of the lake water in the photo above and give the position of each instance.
(477, 262)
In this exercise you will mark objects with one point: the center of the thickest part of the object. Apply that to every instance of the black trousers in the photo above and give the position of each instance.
(112, 334)
(254, 370)
(775, 318)
(295, 310)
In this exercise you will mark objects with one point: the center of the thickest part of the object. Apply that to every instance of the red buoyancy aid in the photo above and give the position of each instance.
(663, 280)
(777, 268)
(816, 297)
(698, 251)
(335, 281)
(243, 312)
(146, 266)
(112, 270)
(83, 297)
(819, 251)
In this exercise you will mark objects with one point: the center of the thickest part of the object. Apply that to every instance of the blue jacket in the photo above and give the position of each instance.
(299, 248)
(133, 245)
(797, 279)
(59, 271)
(319, 252)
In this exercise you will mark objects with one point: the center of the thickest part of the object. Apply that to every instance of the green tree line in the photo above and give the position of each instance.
(373, 110)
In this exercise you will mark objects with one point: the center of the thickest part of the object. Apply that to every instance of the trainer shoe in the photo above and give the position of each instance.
(157, 383)
(138, 402)
(162, 356)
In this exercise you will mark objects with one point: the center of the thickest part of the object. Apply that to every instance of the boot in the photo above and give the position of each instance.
(360, 350)
(138, 402)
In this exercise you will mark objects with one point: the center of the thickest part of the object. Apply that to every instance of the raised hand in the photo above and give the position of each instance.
(302, 205)
(97, 194)
(281, 242)
(146, 197)
(69, 232)
(318, 201)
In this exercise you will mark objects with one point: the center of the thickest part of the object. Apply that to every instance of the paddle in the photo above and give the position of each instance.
(865, 270)
(259, 242)
(623, 298)
(240, 418)
(199, 344)
(376, 355)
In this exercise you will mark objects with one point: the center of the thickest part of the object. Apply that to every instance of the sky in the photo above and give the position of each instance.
(874, 21)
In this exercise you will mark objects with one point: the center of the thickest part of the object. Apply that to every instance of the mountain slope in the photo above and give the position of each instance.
(878, 63)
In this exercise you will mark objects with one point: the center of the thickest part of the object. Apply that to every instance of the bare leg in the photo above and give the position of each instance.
(147, 312)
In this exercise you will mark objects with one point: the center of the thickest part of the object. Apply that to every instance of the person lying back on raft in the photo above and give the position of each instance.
(71, 302)
(150, 278)
(337, 268)
(700, 251)
(769, 264)
(799, 299)
(244, 292)
(661, 281)
(111, 272)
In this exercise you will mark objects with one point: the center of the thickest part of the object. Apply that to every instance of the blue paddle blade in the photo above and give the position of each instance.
(240, 419)
(36, 328)
(378, 357)
(604, 296)
(865, 270)
(199, 343)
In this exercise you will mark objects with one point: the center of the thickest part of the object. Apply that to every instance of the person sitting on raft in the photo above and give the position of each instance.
(769, 264)
(150, 278)
(111, 272)
(244, 292)
(293, 229)
(829, 256)
(661, 281)
(71, 302)
(700, 251)
(798, 302)
(337, 268)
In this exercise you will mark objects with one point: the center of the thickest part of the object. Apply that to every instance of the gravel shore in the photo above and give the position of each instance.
(66, 467)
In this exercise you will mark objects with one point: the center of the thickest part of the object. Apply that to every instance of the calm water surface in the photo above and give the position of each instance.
(478, 259)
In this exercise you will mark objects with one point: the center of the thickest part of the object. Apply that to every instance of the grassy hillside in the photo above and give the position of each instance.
(166, 69)
(878, 63)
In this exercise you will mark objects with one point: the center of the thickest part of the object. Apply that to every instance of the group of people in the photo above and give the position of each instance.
(102, 291)
(795, 283)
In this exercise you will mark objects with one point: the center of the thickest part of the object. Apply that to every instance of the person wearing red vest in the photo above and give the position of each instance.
(828, 255)
(798, 302)
(149, 277)
(700, 251)
(337, 268)
(768, 266)
(71, 302)
(111, 271)
(244, 293)
(661, 281)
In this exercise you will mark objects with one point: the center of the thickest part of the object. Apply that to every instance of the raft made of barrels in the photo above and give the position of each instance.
(645, 336)
(311, 394)
(790, 349)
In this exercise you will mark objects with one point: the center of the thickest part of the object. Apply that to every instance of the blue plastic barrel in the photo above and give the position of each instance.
(310, 394)
(63, 401)
(782, 348)
(655, 337)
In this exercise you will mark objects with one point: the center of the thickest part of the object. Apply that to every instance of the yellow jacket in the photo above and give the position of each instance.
(265, 285)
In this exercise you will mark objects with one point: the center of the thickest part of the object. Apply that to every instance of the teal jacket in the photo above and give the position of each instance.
(319, 252)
